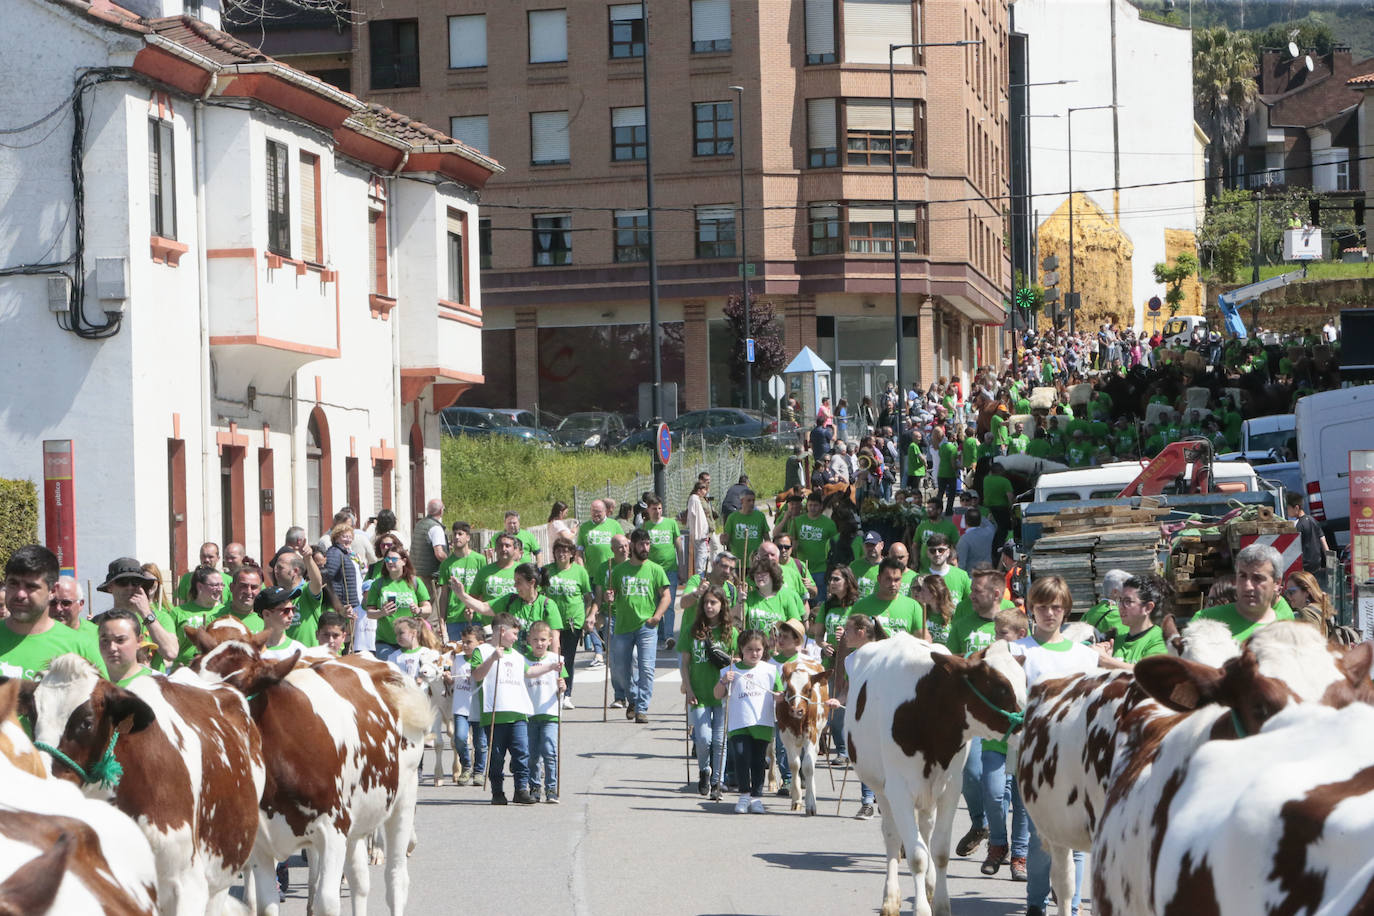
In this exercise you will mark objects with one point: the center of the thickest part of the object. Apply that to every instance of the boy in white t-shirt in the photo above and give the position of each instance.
(546, 691)
(752, 685)
(461, 679)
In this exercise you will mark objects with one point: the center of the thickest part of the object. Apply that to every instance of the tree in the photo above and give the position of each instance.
(1227, 235)
(1185, 266)
(1308, 34)
(1224, 93)
(769, 356)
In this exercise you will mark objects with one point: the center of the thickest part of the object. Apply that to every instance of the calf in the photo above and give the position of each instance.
(913, 709)
(192, 770)
(800, 716)
(437, 682)
(343, 740)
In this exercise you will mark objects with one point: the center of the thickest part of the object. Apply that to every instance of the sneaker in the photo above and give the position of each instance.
(617, 704)
(717, 793)
(596, 662)
(1035, 911)
(535, 792)
(970, 841)
(704, 781)
(568, 703)
(1018, 869)
(865, 812)
(629, 711)
(671, 644)
(996, 856)
(479, 780)
(523, 797)
(464, 778)
(839, 760)
(742, 806)
(641, 718)
(756, 806)
(551, 798)
(499, 798)
(785, 789)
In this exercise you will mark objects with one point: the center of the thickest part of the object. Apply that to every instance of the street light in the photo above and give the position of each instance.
(1071, 302)
(896, 216)
(743, 246)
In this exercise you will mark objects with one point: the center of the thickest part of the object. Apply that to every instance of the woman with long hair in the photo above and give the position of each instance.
(572, 591)
(561, 527)
(709, 626)
(1309, 603)
(934, 596)
(397, 593)
(527, 604)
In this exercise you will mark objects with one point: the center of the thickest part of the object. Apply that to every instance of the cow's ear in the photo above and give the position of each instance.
(1356, 663)
(1179, 684)
(266, 673)
(1171, 635)
(200, 638)
(951, 664)
(32, 886)
(127, 712)
(23, 700)
(260, 640)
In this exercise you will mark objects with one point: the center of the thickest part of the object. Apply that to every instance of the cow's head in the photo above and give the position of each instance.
(803, 685)
(77, 713)
(993, 686)
(222, 629)
(1206, 641)
(1186, 686)
(241, 665)
(1298, 654)
(16, 698)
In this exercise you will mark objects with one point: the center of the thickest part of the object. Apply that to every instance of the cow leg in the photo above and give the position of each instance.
(789, 746)
(807, 772)
(400, 833)
(924, 823)
(1061, 873)
(262, 875)
(902, 814)
(359, 875)
(439, 734)
(332, 851)
(892, 842)
(942, 834)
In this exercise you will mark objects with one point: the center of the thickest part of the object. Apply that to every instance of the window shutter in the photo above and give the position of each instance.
(871, 25)
(624, 12)
(549, 136)
(820, 26)
(472, 131)
(154, 172)
(821, 212)
(710, 20)
(548, 36)
(310, 214)
(627, 117)
(880, 213)
(874, 114)
(467, 41)
(820, 124)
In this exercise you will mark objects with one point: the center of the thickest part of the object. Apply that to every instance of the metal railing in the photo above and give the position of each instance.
(724, 462)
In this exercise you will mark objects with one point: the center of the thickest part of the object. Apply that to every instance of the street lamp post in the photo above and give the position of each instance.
(743, 246)
(892, 50)
(1072, 302)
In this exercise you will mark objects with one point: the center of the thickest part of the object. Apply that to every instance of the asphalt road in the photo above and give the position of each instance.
(632, 837)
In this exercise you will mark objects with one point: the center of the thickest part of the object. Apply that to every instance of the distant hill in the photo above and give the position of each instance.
(1350, 21)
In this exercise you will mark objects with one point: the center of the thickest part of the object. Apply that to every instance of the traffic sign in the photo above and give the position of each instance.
(664, 444)
(1155, 303)
(1050, 278)
(749, 269)
(749, 350)
(776, 387)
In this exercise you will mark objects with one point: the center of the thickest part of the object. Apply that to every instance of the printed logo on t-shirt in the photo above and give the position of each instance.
(634, 587)
(600, 538)
(744, 530)
(660, 537)
(750, 685)
(811, 532)
(564, 588)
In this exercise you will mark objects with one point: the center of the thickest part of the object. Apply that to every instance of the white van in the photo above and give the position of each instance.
(1178, 332)
(1106, 481)
(1265, 440)
(1330, 425)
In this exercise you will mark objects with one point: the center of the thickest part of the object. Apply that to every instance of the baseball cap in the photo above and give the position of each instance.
(873, 537)
(272, 596)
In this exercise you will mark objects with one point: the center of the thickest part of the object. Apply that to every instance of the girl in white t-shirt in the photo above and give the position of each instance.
(752, 685)
(466, 717)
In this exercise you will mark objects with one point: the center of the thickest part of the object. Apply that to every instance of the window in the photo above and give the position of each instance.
(710, 26)
(312, 245)
(627, 30)
(1343, 175)
(162, 189)
(471, 130)
(548, 137)
(714, 129)
(820, 31)
(457, 257)
(278, 201)
(484, 243)
(870, 228)
(467, 41)
(552, 240)
(631, 236)
(548, 36)
(868, 135)
(871, 25)
(715, 232)
(629, 135)
(822, 145)
(825, 229)
(395, 52)
(376, 252)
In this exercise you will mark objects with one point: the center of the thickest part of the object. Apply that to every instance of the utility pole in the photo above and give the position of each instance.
(660, 485)
(1255, 266)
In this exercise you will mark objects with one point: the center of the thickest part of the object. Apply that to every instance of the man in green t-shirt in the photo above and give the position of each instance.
(998, 494)
(1105, 617)
(663, 536)
(947, 468)
(641, 599)
(529, 547)
(887, 605)
(865, 568)
(934, 523)
(29, 638)
(1258, 568)
(243, 591)
(812, 535)
(594, 542)
(462, 563)
(497, 579)
(1140, 595)
(1019, 440)
(67, 605)
(299, 574)
(209, 556)
(745, 528)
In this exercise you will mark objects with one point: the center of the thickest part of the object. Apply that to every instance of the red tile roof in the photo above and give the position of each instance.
(1365, 80)
(194, 35)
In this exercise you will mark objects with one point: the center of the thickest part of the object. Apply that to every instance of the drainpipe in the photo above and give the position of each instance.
(207, 431)
(397, 498)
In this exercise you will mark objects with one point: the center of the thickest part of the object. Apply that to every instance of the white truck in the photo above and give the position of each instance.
(1330, 425)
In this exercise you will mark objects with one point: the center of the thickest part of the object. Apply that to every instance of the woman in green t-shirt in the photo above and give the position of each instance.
(527, 604)
(1140, 603)
(933, 595)
(764, 608)
(710, 624)
(570, 589)
(397, 593)
(383, 545)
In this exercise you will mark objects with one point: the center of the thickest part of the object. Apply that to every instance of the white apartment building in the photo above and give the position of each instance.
(238, 307)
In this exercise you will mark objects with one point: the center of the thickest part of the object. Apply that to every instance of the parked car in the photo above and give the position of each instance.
(527, 418)
(590, 429)
(716, 424)
(481, 421)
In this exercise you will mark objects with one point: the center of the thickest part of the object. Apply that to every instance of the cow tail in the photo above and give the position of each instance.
(411, 708)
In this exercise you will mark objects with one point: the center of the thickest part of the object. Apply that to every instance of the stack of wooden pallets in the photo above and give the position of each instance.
(1082, 543)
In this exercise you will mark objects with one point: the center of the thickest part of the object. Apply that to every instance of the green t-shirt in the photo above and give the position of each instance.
(1038, 448)
(924, 531)
(915, 460)
(1105, 618)
(1241, 628)
(1019, 444)
(637, 590)
(529, 547)
(1132, 649)
(997, 491)
(307, 619)
(466, 569)
(866, 575)
(541, 608)
(568, 588)
(970, 452)
(142, 671)
(251, 620)
(191, 615)
(811, 538)
(969, 633)
(492, 582)
(745, 532)
(762, 613)
(594, 541)
(1001, 430)
(408, 598)
(184, 586)
(833, 616)
(796, 579)
(701, 674)
(663, 542)
(28, 656)
(958, 583)
(900, 614)
(949, 456)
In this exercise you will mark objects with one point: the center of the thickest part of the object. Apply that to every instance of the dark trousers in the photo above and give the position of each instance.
(1002, 516)
(751, 759)
(947, 486)
(515, 738)
(569, 638)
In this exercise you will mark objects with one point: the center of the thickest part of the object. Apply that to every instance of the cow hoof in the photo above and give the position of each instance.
(795, 806)
(438, 782)
(377, 857)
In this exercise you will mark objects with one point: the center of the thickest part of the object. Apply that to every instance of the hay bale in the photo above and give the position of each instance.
(1079, 395)
(1157, 414)
(1197, 397)
(1194, 361)
(1043, 398)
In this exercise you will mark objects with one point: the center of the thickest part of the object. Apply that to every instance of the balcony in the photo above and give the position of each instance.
(441, 345)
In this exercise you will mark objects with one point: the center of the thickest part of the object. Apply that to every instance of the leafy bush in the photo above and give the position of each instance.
(18, 516)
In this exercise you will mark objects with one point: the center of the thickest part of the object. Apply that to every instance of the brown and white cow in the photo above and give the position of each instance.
(192, 770)
(436, 681)
(61, 852)
(800, 716)
(1278, 819)
(342, 740)
(913, 709)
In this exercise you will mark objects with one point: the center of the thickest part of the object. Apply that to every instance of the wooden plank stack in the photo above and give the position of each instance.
(1082, 543)
(1194, 563)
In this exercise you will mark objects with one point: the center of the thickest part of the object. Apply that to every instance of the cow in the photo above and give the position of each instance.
(192, 763)
(434, 677)
(913, 709)
(343, 740)
(800, 716)
(1282, 811)
(61, 852)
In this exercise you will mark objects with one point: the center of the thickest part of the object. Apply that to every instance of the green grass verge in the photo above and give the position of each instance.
(1317, 270)
(485, 476)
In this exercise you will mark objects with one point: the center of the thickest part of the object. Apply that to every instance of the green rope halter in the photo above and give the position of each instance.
(1240, 729)
(106, 771)
(1014, 719)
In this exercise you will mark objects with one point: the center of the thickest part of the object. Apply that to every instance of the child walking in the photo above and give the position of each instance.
(506, 708)
(1000, 791)
(547, 680)
(707, 622)
(751, 685)
(463, 707)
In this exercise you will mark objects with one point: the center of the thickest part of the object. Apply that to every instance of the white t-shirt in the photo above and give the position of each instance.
(364, 631)
(408, 661)
(751, 695)
(1043, 663)
(438, 537)
(544, 689)
(503, 689)
(462, 686)
(284, 650)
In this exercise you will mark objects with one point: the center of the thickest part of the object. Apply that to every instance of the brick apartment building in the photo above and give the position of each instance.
(553, 89)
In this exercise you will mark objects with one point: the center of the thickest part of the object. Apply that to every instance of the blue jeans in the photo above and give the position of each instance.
(512, 737)
(640, 649)
(461, 728)
(479, 744)
(820, 578)
(780, 755)
(665, 626)
(455, 628)
(385, 650)
(544, 755)
(591, 641)
(1000, 793)
(973, 785)
(1038, 874)
(708, 734)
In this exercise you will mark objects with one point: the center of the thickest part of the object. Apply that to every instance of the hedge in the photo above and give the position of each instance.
(18, 516)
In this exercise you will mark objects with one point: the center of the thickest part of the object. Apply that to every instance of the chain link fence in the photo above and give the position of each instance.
(723, 461)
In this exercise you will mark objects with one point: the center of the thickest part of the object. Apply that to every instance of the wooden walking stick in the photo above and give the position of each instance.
(491, 729)
(687, 720)
(606, 648)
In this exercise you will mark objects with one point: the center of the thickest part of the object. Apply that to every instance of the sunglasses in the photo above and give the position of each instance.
(391, 561)
(784, 546)
(937, 550)
(62, 602)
